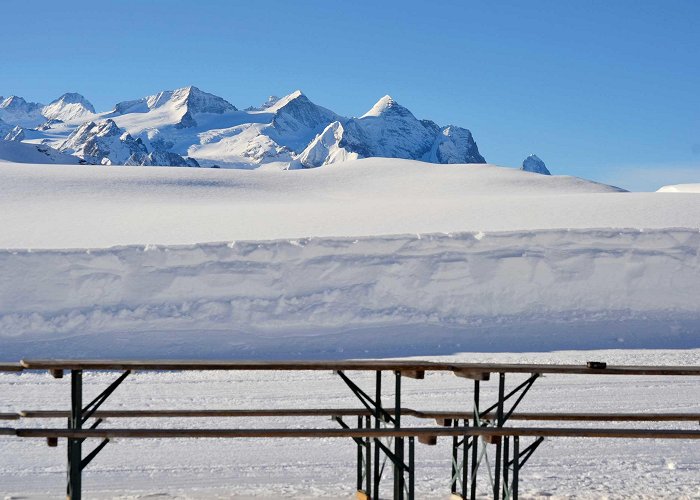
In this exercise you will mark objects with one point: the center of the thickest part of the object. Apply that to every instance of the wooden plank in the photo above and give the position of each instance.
(443, 418)
(566, 416)
(470, 370)
(577, 369)
(282, 412)
(349, 433)
(409, 367)
(10, 367)
(606, 417)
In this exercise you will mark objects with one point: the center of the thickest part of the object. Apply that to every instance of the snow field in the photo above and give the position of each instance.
(45, 206)
(520, 249)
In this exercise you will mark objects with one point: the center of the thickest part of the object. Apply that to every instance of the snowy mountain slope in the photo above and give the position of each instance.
(5, 128)
(229, 137)
(389, 130)
(15, 110)
(104, 143)
(172, 107)
(244, 146)
(68, 107)
(454, 145)
(326, 149)
(16, 134)
(297, 120)
(19, 152)
(287, 132)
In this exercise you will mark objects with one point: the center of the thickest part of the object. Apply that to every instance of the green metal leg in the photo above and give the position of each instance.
(377, 425)
(74, 489)
(398, 443)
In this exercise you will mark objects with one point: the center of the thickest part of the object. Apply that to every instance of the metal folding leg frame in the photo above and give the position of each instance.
(381, 435)
(460, 468)
(504, 484)
(401, 489)
(78, 416)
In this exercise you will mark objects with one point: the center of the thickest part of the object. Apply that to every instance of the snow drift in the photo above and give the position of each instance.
(680, 188)
(322, 285)
(104, 261)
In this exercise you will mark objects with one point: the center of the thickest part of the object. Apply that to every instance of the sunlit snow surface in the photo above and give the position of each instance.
(47, 206)
(434, 256)
(681, 188)
(373, 258)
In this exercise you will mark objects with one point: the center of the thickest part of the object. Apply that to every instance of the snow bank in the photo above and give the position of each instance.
(680, 188)
(306, 290)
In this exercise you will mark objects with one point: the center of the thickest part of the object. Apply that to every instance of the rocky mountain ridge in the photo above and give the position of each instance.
(190, 127)
(534, 164)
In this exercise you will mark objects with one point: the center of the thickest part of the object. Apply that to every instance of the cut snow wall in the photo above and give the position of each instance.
(321, 285)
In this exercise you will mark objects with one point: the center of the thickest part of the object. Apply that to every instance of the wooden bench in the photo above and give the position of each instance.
(11, 367)
(371, 419)
(106, 433)
(444, 418)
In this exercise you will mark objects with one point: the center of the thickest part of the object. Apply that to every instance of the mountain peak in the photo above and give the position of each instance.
(13, 99)
(534, 164)
(75, 98)
(271, 101)
(297, 120)
(387, 106)
(198, 101)
(281, 102)
(69, 106)
(16, 111)
(14, 102)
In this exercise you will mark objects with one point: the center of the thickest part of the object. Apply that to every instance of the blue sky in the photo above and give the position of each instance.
(606, 90)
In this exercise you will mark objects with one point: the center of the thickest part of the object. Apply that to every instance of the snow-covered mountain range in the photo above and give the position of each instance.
(189, 127)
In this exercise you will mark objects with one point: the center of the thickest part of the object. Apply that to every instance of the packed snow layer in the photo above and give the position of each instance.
(324, 468)
(48, 206)
(413, 292)
(680, 188)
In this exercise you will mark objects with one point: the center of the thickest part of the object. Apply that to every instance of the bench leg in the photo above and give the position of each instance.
(74, 488)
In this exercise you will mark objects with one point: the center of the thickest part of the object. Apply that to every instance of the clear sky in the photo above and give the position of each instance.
(602, 89)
